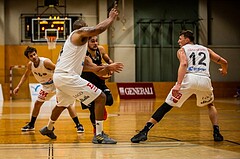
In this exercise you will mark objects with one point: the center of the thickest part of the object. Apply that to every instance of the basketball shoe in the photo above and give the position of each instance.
(80, 128)
(49, 133)
(141, 136)
(103, 139)
(28, 127)
(217, 136)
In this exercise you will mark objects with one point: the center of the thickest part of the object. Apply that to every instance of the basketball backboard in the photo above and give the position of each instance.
(52, 23)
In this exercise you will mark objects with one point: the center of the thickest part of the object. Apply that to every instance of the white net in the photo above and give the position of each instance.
(51, 35)
(51, 41)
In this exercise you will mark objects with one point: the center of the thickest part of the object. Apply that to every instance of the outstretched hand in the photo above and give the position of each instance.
(115, 67)
(107, 70)
(15, 91)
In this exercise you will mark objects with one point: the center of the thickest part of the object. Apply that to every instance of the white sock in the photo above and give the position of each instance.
(99, 127)
(50, 124)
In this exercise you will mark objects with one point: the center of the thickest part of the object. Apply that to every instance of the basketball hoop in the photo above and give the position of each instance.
(51, 41)
(51, 35)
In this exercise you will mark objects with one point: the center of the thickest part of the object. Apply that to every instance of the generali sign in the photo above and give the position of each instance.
(136, 90)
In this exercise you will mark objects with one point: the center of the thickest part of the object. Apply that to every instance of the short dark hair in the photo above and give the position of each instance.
(78, 24)
(187, 34)
(28, 50)
(90, 37)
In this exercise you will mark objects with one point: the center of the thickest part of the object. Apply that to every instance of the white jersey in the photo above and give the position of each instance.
(42, 74)
(71, 58)
(198, 59)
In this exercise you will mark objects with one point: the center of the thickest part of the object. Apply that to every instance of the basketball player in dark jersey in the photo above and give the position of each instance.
(97, 53)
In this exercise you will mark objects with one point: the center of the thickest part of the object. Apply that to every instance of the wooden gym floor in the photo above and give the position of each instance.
(184, 133)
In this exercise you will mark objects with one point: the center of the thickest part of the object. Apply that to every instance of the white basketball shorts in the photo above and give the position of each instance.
(72, 87)
(201, 86)
(47, 92)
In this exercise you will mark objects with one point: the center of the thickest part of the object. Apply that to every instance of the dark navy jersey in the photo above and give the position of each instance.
(92, 77)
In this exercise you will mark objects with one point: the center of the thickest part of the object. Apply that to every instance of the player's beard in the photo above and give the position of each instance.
(93, 48)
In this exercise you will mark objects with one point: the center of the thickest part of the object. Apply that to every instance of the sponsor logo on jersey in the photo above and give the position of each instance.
(40, 74)
(206, 99)
(196, 69)
(176, 98)
(84, 98)
(77, 95)
(92, 86)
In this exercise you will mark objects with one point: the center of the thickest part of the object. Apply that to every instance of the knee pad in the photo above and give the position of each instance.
(109, 98)
(92, 114)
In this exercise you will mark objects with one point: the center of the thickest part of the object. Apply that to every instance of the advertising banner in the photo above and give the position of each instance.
(136, 90)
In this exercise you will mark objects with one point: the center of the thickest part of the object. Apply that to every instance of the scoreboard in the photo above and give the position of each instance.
(51, 26)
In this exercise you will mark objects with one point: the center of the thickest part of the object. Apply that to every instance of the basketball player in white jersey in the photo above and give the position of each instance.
(70, 86)
(193, 78)
(42, 69)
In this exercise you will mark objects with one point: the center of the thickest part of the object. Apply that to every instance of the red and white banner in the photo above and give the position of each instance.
(136, 90)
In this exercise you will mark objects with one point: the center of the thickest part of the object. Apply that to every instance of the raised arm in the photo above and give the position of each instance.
(80, 36)
(219, 60)
(24, 78)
